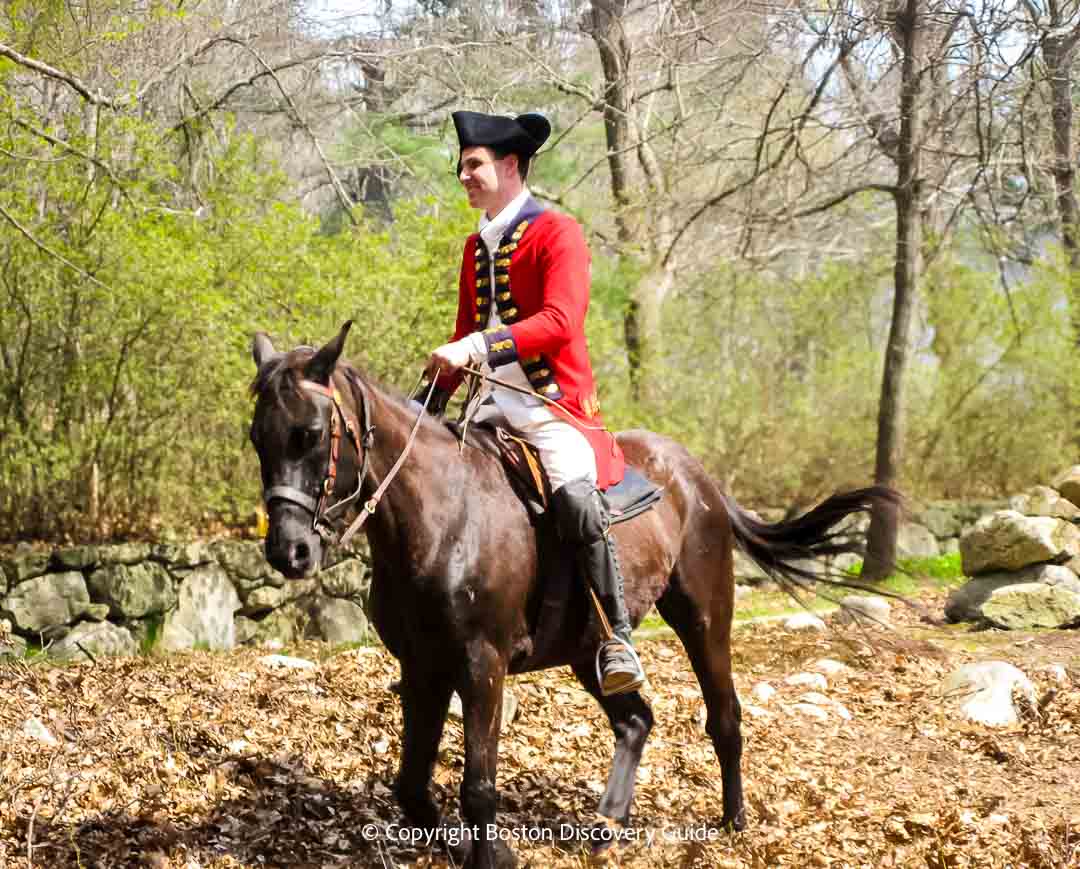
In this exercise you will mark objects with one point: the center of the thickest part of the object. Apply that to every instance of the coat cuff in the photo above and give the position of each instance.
(478, 350)
(501, 347)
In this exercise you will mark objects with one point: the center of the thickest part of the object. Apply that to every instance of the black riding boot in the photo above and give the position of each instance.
(583, 522)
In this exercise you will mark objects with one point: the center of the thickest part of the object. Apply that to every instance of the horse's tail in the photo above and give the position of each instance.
(778, 548)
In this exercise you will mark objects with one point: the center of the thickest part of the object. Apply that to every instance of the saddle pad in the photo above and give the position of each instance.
(633, 494)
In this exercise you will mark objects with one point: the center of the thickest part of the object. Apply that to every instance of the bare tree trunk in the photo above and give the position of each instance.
(1059, 52)
(604, 23)
(641, 320)
(884, 521)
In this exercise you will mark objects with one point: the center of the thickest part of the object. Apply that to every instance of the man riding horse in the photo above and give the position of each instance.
(523, 295)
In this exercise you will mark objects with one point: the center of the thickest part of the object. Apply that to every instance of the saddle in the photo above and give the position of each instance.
(562, 592)
(631, 496)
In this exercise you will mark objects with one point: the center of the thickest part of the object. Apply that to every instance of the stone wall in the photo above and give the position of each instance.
(118, 599)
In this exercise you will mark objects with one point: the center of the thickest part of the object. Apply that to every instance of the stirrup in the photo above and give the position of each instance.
(630, 682)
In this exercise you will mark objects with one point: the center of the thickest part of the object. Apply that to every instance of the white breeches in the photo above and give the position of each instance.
(564, 451)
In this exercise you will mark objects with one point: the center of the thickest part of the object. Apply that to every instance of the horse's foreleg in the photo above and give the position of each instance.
(424, 702)
(481, 694)
(631, 720)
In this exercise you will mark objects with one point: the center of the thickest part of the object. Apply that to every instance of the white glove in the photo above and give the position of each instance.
(470, 350)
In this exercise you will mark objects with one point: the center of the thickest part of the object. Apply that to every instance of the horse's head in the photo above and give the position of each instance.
(296, 430)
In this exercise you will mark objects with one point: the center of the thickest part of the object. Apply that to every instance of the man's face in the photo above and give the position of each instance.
(485, 178)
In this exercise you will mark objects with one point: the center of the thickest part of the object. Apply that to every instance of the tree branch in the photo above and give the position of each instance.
(48, 251)
(847, 194)
(89, 158)
(339, 189)
(70, 80)
(798, 127)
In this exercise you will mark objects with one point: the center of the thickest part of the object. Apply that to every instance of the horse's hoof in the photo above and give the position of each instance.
(457, 843)
(502, 857)
(602, 841)
(602, 853)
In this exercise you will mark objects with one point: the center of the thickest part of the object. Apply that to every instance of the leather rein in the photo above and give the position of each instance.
(324, 516)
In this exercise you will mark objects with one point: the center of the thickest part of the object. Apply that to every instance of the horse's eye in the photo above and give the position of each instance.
(303, 439)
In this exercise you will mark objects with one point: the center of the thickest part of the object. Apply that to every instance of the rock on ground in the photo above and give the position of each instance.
(763, 692)
(286, 662)
(349, 579)
(984, 692)
(134, 591)
(1068, 484)
(813, 680)
(966, 602)
(864, 609)
(48, 601)
(100, 639)
(830, 667)
(1007, 540)
(1044, 501)
(35, 729)
(338, 621)
(10, 645)
(1032, 605)
(810, 710)
(747, 571)
(804, 622)
(509, 707)
(916, 541)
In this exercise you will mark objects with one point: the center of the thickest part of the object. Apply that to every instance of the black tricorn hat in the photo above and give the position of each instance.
(523, 135)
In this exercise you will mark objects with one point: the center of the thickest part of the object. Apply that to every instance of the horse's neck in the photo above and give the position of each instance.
(418, 481)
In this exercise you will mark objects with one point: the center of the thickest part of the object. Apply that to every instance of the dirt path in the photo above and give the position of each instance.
(214, 760)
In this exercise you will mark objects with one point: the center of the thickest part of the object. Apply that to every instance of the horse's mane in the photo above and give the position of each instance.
(282, 374)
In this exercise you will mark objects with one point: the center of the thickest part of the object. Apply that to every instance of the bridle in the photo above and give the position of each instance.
(323, 516)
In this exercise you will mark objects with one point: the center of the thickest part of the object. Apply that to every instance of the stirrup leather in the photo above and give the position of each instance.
(631, 682)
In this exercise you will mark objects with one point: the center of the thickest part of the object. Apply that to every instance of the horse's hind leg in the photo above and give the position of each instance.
(631, 720)
(703, 624)
(424, 702)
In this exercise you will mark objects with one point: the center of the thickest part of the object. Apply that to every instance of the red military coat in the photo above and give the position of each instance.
(542, 293)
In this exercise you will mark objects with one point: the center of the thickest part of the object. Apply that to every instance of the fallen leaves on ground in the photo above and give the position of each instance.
(215, 761)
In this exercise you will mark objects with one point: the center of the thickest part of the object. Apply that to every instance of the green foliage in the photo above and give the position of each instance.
(133, 382)
(917, 574)
(943, 569)
(125, 325)
(992, 395)
(774, 382)
(154, 625)
(771, 383)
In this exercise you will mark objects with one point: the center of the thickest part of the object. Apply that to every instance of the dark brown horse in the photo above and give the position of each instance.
(460, 574)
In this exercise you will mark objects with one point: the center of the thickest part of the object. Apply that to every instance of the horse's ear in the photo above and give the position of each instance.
(262, 350)
(321, 365)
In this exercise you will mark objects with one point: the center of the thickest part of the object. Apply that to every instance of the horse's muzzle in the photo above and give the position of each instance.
(292, 548)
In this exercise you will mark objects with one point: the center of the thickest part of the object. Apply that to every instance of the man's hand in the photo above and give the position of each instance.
(450, 357)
